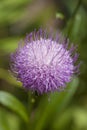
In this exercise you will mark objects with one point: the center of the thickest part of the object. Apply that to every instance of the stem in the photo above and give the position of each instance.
(77, 7)
(29, 103)
(73, 16)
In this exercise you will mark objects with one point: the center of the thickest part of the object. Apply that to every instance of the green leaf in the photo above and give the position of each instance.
(9, 120)
(63, 121)
(7, 76)
(3, 120)
(58, 102)
(80, 118)
(14, 104)
(76, 26)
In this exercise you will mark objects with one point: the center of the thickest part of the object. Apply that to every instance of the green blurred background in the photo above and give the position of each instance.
(58, 111)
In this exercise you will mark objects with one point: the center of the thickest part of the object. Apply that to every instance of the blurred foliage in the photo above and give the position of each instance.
(21, 110)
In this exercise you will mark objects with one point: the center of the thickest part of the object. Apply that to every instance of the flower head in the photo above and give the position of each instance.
(44, 64)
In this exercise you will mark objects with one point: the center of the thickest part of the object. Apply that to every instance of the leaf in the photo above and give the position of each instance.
(58, 102)
(14, 104)
(7, 76)
(3, 120)
(76, 26)
(62, 121)
(9, 120)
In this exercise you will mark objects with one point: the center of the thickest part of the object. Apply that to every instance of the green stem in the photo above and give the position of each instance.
(77, 7)
(31, 101)
(73, 16)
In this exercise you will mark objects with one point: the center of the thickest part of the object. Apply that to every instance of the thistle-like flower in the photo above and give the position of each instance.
(44, 64)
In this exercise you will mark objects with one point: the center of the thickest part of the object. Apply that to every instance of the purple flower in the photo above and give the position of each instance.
(44, 64)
